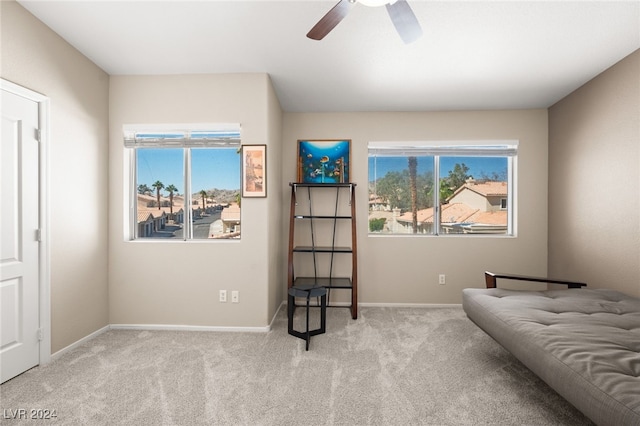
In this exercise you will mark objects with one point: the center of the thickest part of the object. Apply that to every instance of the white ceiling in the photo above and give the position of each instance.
(473, 54)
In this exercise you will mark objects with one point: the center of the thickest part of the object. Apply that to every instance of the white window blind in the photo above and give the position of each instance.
(417, 149)
(190, 135)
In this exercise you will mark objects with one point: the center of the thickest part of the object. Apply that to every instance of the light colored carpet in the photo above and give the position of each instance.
(392, 366)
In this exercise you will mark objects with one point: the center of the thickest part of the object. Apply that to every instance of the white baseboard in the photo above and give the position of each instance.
(170, 327)
(410, 305)
(391, 305)
(82, 341)
(156, 327)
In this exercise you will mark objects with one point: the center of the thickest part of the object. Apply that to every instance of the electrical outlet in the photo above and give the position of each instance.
(235, 296)
(442, 279)
(223, 296)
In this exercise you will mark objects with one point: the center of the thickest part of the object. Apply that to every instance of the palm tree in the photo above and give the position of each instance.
(413, 171)
(158, 186)
(171, 188)
(203, 194)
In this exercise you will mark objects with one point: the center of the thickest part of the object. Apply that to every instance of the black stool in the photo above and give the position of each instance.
(307, 293)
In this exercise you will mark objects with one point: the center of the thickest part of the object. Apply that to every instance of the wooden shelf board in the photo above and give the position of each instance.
(333, 282)
(318, 249)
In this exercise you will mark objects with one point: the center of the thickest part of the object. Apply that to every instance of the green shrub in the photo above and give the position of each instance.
(376, 225)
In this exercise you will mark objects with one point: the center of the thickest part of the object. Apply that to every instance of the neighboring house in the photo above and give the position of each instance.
(473, 208)
(153, 219)
(150, 221)
(230, 217)
(178, 216)
(377, 203)
(486, 196)
(145, 224)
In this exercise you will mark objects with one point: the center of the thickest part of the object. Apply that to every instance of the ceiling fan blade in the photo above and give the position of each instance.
(405, 21)
(330, 20)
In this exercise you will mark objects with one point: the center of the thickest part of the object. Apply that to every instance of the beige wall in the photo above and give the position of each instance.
(276, 230)
(177, 283)
(98, 278)
(35, 57)
(594, 181)
(405, 269)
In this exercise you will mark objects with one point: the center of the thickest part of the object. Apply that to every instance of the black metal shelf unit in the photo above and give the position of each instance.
(328, 223)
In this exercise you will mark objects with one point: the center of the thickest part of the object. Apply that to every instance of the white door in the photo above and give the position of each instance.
(19, 223)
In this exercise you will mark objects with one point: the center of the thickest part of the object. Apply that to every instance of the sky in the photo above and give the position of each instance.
(220, 168)
(477, 165)
(211, 168)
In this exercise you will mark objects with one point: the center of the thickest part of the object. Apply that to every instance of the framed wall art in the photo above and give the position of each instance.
(324, 161)
(254, 170)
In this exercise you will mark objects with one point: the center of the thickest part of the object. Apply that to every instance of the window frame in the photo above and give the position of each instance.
(173, 136)
(466, 148)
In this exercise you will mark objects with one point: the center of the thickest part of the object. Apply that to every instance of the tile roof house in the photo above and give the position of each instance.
(230, 217)
(152, 219)
(486, 196)
(473, 208)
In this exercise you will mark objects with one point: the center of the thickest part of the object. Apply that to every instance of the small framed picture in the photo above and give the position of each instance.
(324, 161)
(254, 170)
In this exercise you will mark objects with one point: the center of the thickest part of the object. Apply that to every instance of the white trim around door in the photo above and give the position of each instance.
(44, 249)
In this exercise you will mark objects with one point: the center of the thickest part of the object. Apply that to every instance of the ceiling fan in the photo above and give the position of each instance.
(400, 12)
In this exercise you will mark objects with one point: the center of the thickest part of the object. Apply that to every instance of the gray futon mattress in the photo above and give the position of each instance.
(583, 343)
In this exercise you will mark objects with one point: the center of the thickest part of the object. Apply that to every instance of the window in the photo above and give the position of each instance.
(184, 184)
(435, 189)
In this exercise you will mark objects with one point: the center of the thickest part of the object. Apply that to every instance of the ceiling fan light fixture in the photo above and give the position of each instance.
(376, 3)
(399, 11)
